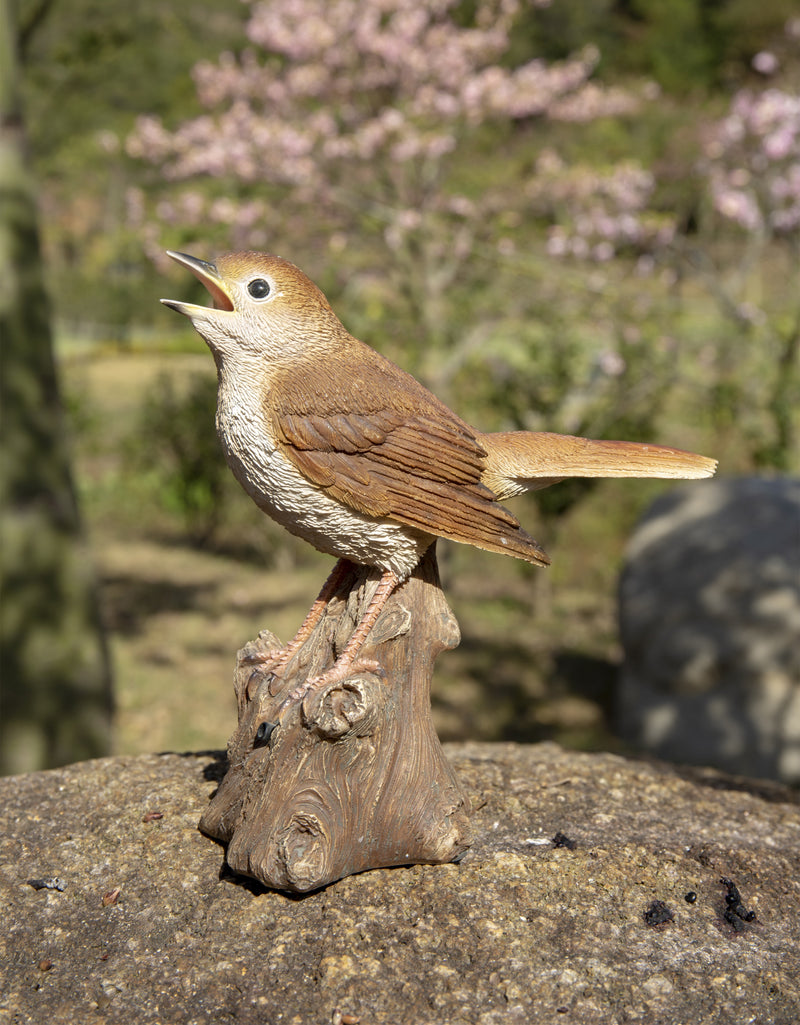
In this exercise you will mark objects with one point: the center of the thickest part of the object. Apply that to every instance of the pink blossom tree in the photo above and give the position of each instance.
(753, 164)
(342, 136)
(353, 108)
(744, 250)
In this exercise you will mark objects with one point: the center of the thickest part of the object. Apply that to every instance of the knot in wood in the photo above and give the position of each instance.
(347, 709)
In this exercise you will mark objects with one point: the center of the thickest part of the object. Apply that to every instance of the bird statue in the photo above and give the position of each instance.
(345, 449)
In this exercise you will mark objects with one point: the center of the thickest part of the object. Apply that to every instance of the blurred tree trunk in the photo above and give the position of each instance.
(55, 685)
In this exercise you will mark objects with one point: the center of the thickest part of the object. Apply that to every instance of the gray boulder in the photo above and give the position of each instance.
(709, 607)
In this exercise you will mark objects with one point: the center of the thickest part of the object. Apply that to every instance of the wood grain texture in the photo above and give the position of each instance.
(354, 777)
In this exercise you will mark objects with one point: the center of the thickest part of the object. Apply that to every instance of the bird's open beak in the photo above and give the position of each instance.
(209, 275)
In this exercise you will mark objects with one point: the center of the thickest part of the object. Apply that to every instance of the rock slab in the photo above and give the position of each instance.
(552, 915)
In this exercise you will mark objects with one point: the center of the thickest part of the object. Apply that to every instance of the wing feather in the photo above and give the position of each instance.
(403, 455)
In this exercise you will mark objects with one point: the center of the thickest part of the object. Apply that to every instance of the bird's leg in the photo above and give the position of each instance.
(278, 660)
(348, 663)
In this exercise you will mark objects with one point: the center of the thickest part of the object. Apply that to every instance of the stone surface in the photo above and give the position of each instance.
(710, 628)
(151, 928)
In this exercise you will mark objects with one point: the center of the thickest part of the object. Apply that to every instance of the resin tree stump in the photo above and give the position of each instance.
(354, 777)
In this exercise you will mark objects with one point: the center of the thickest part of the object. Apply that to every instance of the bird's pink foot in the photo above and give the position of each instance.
(275, 658)
(341, 670)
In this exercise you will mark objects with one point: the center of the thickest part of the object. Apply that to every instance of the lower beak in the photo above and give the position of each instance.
(209, 275)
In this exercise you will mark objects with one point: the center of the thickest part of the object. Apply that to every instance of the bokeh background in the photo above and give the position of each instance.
(580, 217)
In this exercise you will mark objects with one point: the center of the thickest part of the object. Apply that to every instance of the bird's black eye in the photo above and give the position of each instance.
(258, 288)
(263, 733)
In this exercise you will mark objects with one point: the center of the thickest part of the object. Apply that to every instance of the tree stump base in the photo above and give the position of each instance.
(355, 777)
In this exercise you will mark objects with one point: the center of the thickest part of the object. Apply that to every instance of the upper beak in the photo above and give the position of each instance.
(209, 275)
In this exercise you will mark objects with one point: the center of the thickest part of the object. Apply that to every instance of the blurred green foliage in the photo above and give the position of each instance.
(522, 340)
(687, 46)
(89, 68)
(90, 65)
(174, 441)
(518, 341)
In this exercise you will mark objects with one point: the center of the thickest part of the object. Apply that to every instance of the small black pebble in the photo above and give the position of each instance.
(735, 913)
(731, 917)
(53, 883)
(658, 913)
(690, 897)
(560, 840)
(732, 896)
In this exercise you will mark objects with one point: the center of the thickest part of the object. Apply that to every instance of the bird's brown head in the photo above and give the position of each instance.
(263, 307)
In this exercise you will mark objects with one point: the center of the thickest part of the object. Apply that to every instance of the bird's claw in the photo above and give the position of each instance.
(335, 675)
(272, 678)
(253, 658)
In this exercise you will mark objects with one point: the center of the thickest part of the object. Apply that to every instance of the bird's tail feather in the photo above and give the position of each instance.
(520, 461)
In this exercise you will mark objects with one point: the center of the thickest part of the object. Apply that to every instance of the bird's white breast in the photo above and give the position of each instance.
(304, 509)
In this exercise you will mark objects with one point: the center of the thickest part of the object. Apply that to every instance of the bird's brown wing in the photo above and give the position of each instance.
(402, 456)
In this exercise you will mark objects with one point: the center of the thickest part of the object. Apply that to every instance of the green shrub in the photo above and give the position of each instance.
(177, 439)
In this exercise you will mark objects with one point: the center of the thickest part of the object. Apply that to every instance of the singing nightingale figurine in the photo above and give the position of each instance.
(346, 450)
